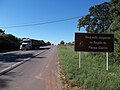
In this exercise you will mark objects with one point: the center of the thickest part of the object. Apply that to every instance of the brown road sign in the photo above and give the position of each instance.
(94, 42)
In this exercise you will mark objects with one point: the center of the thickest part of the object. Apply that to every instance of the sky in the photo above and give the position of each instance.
(22, 12)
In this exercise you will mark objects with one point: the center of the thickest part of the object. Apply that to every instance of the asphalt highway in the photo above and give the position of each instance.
(39, 73)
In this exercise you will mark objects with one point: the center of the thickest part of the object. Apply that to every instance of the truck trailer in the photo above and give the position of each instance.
(27, 44)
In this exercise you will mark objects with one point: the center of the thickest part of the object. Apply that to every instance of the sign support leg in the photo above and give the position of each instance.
(107, 61)
(79, 60)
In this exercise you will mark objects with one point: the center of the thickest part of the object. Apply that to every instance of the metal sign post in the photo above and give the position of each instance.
(107, 61)
(79, 60)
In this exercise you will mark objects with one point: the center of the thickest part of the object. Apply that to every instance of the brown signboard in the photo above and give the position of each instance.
(94, 42)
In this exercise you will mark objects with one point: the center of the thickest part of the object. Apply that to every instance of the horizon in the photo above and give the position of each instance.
(43, 12)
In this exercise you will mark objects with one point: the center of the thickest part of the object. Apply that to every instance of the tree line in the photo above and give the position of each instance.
(9, 42)
(62, 42)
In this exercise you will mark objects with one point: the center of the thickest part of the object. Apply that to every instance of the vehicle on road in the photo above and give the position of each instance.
(27, 44)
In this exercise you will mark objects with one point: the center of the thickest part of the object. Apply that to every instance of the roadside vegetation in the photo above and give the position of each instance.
(104, 18)
(9, 42)
(92, 75)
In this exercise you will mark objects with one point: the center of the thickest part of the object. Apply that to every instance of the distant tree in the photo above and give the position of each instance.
(8, 42)
(73, 42)
(43, 43)
(62, 42)
(2, 31)
(70, 43)
(11, 38)
(48, 43)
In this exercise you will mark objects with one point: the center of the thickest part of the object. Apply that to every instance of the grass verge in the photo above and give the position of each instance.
(92, 75)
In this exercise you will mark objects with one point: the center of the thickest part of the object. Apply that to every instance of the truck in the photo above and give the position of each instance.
(27, 44)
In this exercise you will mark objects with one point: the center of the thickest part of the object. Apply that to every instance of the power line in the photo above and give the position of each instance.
(36, 24)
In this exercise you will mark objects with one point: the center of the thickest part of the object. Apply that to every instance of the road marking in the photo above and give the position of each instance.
(39, 77)
(17, 64)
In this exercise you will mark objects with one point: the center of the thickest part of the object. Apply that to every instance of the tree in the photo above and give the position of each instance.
(2, 31)
(70, 43)
(62, 42)
(11, 38)
(104, 18)
(115, 8)
(8, 41)
(42, 43)
(98, 20)
(115, 28)
(48, 43)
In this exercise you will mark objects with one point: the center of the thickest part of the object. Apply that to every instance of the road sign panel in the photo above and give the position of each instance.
(94, 42)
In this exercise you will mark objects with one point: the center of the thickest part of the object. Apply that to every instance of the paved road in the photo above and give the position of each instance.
(40, 73)
(9, 58)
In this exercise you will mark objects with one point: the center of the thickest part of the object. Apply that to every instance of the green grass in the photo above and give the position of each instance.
(92, 75)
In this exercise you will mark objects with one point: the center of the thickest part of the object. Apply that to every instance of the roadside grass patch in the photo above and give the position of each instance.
(92, 75)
